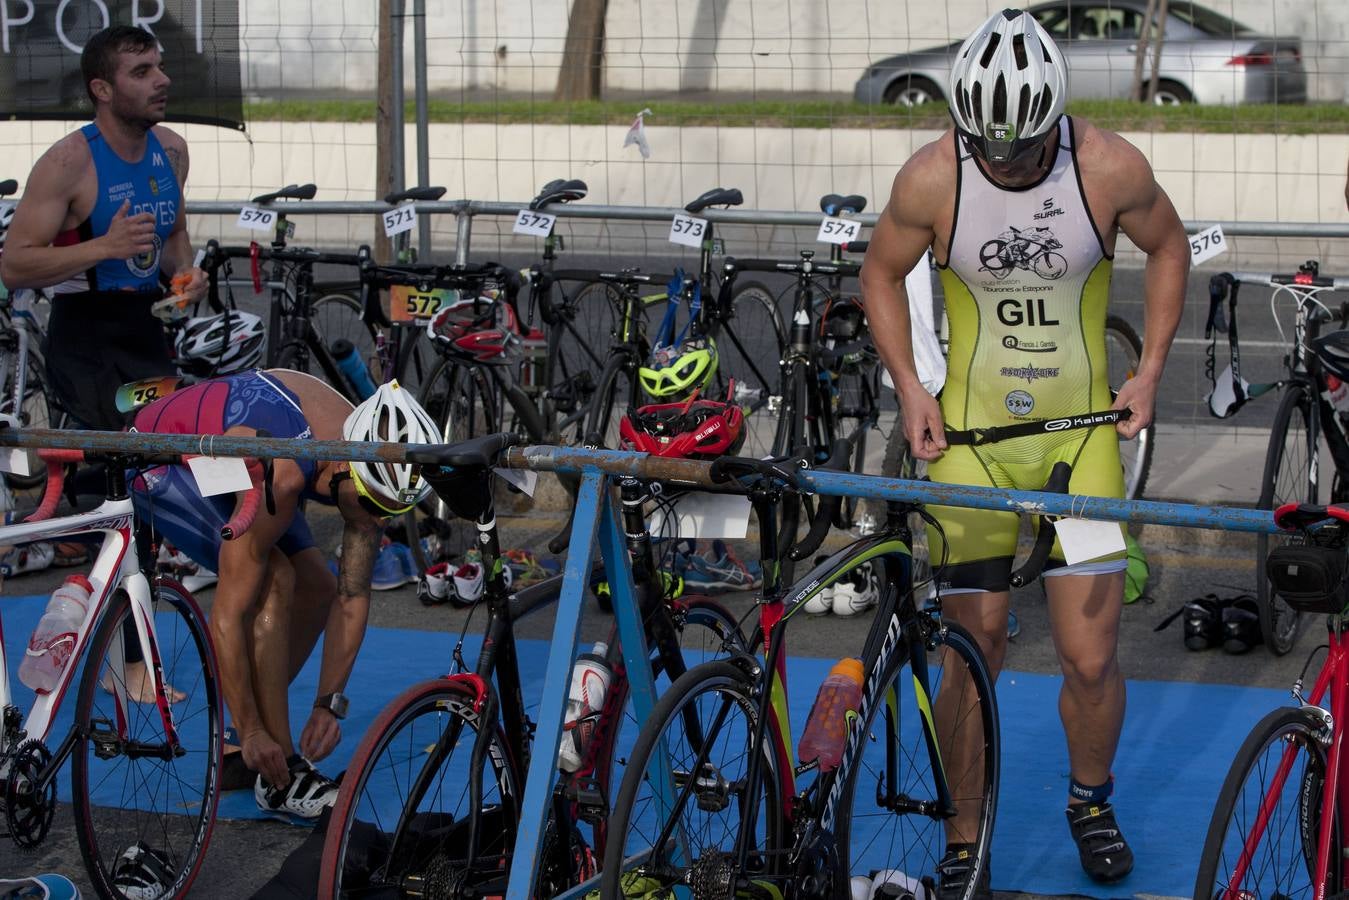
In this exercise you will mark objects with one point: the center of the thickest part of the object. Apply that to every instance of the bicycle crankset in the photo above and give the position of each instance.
(29, 811)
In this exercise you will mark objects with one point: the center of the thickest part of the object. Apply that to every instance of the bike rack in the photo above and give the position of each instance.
(596, 520)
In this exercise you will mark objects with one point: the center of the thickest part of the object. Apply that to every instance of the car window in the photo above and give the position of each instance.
(1207, 21)
(1054, 20)
(1109, 23)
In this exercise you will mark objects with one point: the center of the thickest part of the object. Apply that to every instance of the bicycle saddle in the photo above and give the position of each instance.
(716, 197)
(835, 204)
(416, 193)
(289, 192)
(475, 453)
(8, 186)
(559, 191)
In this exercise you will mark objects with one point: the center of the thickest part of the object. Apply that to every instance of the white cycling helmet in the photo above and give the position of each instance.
(220, 345)
(1008, 86)
(390, 414)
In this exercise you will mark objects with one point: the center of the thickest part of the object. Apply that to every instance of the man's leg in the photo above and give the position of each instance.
(1084, 615)
(315, 588)
(270, 650)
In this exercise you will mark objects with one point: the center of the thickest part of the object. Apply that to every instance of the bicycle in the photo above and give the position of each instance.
(1278, 829)
(1303, 419)
(432, 797)
(737, 824)
(137, 730)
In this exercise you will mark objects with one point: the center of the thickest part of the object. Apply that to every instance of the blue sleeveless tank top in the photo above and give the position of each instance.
(151, 186)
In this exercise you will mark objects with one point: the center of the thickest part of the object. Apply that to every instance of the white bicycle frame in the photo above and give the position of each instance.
(118, 564)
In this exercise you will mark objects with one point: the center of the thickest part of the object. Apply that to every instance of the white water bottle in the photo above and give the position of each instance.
(590, 679)
(53, 641)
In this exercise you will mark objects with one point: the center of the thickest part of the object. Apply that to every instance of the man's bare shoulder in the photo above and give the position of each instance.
(925, 183)
(1102, 151)
(169, 138)
(67, 158)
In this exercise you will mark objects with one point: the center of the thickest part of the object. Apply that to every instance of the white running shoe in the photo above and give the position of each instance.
(28, 558)
(309, 793)
(823, 602)
(469, 583)
(857, 593)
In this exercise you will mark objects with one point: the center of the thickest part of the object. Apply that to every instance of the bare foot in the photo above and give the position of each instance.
(140, 687)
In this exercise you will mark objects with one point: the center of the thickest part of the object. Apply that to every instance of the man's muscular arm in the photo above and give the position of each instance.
(49, 196)
(178, 254)
(1146, 216)
(903, 233)
(347, 618)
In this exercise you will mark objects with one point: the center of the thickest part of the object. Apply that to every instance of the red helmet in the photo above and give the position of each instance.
(691, 429)
(481, 330)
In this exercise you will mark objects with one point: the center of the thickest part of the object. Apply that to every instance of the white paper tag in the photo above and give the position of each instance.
(1207, 244)
(397, 221)
(539, 224)
(14, 461)
(706, 516)
(525, 479)
(687, 230)
(834, 230)
(252, 218)
(1087, 539)
(219, 475)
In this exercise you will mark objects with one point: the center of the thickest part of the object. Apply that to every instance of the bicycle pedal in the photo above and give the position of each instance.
(104, 737)
(588, 795)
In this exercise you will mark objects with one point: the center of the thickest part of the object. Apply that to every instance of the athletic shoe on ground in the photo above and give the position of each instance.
(304, 799)
(48, 886)
(823, 602)
(436, 585)
(469, 583)
(721, 572)
(1013, 625)
(954, 871)
(526, 566)
(858, 592)
(394, 567)
(201, 578)
(1100, 845)
(27, 558)
(142, 872)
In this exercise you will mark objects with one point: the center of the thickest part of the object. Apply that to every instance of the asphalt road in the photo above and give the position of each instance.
(1184, 565)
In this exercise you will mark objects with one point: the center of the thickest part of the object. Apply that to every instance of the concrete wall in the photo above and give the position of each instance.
(666, 45)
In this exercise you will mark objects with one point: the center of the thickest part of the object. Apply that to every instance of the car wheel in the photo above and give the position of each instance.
(1171, 93)
(910, 90)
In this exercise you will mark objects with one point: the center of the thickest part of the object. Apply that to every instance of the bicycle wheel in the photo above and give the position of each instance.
(337, 317)
(464, 403)
(403, 814)
(1123, 350)
(615, 393)
(900, 463)
(889, 818)
(855, 414)
(1262, 837)
(1288, 478)
(1050, 265)
(749, 350)
(36, 411)
(579, 343)
(707, 772)
(162, 805)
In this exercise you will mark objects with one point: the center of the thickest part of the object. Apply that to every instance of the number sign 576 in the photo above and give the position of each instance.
(1207, 244)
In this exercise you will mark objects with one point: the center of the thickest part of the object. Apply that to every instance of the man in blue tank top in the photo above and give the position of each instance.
(101, 224)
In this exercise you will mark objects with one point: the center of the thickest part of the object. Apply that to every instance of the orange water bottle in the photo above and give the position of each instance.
(827, 726)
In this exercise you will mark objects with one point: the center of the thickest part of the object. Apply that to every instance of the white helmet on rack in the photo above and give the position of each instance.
(220, 345)
(390, 414)
(1008, 86)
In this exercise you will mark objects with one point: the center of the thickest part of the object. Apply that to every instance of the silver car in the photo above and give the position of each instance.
(1206, 58)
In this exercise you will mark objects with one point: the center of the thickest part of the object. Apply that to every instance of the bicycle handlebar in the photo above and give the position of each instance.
(57, 459)
(847, 267)
(1044, 541)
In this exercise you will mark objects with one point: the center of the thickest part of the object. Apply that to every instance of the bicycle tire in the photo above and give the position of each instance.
(464, 403)
(295, 356)
(615, 392)
(176, 832)
(898, 462)
(633, 816)
(858, 403)
(1287, 478)
(1124, 350)
(337, 316)
(1294, 821)
(36, 411)
(859, 836)
(579, 343)
(750, 345)
(439, 705)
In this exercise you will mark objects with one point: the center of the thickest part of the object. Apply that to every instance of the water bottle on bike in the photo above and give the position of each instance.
(590, 679)
(53, 640)
(827, 726)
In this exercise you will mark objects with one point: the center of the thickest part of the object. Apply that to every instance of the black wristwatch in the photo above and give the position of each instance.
(334, 703)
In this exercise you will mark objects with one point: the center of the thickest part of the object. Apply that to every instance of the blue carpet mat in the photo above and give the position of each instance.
(1177, 744)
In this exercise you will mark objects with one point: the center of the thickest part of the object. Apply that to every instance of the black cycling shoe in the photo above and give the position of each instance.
(1100, 845)
(1241, 625)
(953, 875)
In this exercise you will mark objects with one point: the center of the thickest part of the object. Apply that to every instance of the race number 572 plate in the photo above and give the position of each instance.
(397, 221)
(251, 218)
(834, 230)
(538, 224)
(1207, 244)
(687, 230)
